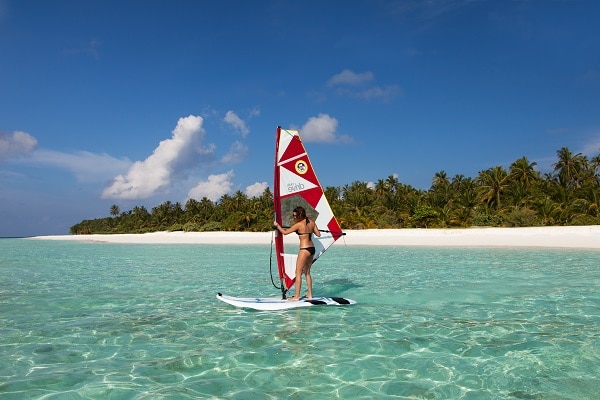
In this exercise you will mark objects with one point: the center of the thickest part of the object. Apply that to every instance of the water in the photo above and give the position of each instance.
(110, 321)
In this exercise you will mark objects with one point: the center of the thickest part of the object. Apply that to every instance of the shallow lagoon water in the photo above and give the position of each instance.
(124, 321)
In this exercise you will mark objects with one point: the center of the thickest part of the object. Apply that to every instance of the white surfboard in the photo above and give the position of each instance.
(274, 303)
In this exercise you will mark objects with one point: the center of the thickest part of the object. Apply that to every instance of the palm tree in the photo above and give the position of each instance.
(595, 164)
(547, 210)
(358, 200)
(492, 183)
(440, 192)
(333, 194)
(240, 200)
(140, 216)
(457, 182)
(440, 179)
(569, 167)
(114, 210)
(523, 171)
(465, 199)
(167, 214)
(522, 180)
(381, 188)
(358, 195)
(392, 183)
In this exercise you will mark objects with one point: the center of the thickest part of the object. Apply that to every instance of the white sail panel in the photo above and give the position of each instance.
(325, 213)
(291, 183)
(289, 262)
(287, 135)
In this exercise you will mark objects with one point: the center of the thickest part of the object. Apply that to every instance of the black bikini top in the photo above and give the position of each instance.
(307, 233)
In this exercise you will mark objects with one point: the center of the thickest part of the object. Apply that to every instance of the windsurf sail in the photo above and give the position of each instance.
(296, 184)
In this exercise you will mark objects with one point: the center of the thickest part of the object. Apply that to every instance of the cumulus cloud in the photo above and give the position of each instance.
(172, 156)
(237, 153)
(213, 188)
(86, 166)
(592, 147)
(237, 123)
(347, 77)
(359, 85)
(256, 189)
(16, 144)
(322, 129)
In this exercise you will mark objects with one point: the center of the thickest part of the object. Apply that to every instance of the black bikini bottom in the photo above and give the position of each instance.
(311, 250)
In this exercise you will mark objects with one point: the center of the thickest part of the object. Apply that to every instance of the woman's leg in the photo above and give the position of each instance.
(300, 263)
(308, 279)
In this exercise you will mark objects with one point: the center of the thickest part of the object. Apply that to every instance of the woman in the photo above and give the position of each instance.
(304, 228)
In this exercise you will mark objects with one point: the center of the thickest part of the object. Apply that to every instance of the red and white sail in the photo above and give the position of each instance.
(296, 184)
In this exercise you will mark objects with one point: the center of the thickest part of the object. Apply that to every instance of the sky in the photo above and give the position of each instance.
(134, 103)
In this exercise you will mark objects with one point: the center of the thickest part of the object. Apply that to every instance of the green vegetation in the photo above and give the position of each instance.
(520, 196)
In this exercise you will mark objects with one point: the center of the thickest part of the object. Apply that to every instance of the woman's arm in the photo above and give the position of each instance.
(316, 230)
(285, 231)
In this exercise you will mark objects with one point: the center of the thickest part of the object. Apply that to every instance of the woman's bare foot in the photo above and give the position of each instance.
(295, 298)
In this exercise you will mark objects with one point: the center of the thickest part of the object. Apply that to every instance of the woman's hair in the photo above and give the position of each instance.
(300, 213)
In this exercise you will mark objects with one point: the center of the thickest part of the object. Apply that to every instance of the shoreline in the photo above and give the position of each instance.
(577, 237)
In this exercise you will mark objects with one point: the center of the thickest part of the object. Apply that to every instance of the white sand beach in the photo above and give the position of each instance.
(585, 237)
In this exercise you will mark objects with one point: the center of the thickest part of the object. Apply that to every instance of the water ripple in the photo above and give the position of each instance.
(101, 321)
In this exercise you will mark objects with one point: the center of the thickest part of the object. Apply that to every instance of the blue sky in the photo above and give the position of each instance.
(138, 102)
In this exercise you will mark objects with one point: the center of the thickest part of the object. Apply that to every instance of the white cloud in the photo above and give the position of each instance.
(16, 144)
(237, 153)
(319, 129)
(171, 157)
(350, 84)
(322, 129)
(347, 77)
(256, 189)
(255, 112)
(385, 93)
(592, 147)
(86, 166)
(237, 123)
(213, 188)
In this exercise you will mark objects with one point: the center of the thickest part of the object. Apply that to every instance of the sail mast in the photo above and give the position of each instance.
(278, 217)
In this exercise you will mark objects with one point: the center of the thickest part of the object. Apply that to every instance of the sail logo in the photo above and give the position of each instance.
(295, 187)
(301, 167)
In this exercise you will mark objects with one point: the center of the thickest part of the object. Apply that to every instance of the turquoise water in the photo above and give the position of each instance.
(110, 321)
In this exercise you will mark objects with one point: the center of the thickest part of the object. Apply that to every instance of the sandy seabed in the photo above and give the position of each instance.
(585, 237)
